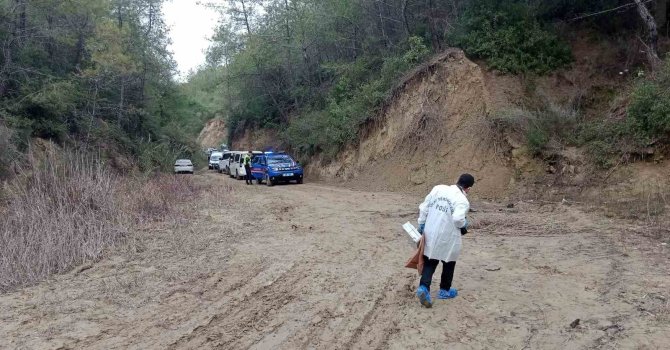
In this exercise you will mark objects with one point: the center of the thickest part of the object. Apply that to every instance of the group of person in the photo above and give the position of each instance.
(442, 222)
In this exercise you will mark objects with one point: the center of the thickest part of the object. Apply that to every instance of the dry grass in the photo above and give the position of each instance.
(151, 199)
(646, 203)
(59, 213)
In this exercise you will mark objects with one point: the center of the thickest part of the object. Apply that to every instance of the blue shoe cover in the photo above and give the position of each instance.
(424, 296)
(447, 294)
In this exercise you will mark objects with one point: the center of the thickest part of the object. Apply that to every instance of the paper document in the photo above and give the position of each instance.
(412, 231)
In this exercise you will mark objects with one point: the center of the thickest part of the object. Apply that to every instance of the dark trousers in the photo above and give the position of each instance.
(429, 267)
(248, 179)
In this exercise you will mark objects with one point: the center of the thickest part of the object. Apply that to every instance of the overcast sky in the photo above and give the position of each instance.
(191, 24)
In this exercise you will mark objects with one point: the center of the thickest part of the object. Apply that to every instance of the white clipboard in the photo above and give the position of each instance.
(412, 231)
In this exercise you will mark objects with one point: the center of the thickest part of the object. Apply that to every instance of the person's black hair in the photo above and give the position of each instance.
(466, 181)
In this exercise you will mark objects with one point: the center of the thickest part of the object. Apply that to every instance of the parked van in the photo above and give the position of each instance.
(214, 160)
(236, 167)
(224, 162)
(232, 161)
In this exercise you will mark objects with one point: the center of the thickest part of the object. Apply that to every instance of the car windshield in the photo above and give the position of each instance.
(279, 159)
(214, 158)
(183, 162)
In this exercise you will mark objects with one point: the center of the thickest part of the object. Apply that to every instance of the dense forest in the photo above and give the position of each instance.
(93, 74)
(316, 71)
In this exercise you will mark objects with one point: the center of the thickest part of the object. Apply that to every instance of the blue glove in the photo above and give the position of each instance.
(421, 227)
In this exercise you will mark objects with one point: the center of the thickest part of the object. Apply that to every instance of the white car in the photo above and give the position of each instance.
(183, 166)
(224, 162)
(234, 164)
(214, 160)
(236, 167)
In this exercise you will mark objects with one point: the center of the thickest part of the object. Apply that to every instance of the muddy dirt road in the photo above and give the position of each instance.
(319, 267)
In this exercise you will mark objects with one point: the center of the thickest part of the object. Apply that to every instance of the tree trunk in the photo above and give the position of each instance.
(652, 45)
(145, 59)
(289, 67)
(246, 17)
(81, 43)
(289, 41)
(661, 13)
(22, 15)
(7, 53)
(382, 26)
(404, 17)
(20, 24)
(94, 109)
(119, 14)
(119, 113)
(432, 27)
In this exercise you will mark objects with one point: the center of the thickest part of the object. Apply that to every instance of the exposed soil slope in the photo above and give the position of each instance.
(213, 134)
(256, 139)
(433, 128)
(312, 266)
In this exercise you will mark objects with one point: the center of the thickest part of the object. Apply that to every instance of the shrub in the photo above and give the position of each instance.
(542, 126)
(537, 139)
(509, 38)
(649, 109)
(49, 109)
(647, 123)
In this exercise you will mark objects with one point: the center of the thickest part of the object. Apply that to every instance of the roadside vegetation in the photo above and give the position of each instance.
(640, 129)
(90, 119)
(93, 74)
(69, 208)
(316, 73)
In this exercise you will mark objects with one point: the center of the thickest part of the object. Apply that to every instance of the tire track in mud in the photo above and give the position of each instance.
(381, 321)
(253, 311)
(318, 267)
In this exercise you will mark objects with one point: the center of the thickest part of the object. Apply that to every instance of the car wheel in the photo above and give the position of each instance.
(299, 181)
(268, 181)
(259, 181)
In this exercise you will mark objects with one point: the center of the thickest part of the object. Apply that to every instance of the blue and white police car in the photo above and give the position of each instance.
(275, 167)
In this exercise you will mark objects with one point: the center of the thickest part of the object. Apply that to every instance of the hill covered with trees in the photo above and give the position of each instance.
(92, 74)
(315, 72)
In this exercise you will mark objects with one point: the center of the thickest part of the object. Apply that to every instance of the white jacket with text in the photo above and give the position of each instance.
(443, 211)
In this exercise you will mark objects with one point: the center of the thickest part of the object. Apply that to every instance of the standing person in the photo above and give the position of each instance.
(441, 220)
(247, 168)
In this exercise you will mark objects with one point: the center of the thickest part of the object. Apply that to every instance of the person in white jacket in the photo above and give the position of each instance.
(442, 218)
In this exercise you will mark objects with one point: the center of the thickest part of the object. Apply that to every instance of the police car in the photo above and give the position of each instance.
(274, 167)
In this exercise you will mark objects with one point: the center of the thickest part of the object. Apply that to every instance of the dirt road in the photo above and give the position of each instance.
(319, 267)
